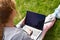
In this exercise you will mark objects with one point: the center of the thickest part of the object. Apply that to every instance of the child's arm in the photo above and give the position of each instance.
(47, 25)
(21, 23)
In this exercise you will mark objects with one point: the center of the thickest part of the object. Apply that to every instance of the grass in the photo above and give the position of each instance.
(44, 7)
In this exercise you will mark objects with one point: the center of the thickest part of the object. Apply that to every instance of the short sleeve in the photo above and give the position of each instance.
(21, 36)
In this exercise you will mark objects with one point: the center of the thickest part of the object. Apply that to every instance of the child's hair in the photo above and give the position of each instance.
(6, 8)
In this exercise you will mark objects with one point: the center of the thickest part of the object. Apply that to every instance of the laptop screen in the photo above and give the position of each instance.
(35, 20)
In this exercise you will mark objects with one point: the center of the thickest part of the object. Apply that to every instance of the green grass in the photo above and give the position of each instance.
(42, 7)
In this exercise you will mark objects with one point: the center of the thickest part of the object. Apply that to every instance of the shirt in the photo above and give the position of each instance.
(15, 34)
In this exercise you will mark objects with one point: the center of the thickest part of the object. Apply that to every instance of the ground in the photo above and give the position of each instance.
(44, 7)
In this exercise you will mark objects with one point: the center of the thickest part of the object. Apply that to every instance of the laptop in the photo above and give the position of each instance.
(34, 24)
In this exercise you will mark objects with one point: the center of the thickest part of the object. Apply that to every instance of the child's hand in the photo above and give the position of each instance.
(47, 25)
(21, 23)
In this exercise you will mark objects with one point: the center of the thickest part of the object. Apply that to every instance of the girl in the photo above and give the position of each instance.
(7, 29)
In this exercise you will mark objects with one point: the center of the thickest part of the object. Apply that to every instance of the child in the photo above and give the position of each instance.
(7, 29)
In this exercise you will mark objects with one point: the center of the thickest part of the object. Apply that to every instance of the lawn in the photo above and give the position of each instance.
(44, 7)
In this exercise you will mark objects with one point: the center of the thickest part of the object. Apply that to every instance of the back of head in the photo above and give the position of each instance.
(6, 8)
